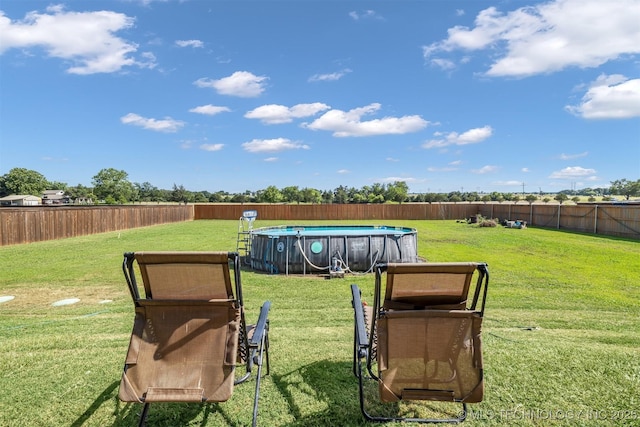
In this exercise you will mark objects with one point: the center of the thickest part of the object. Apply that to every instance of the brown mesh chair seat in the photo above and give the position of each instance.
(421, 340)
(189, 331)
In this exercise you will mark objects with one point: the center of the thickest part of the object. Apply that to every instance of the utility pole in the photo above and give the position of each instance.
(523, 189)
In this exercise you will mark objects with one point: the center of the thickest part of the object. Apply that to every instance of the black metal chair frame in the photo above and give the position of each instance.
(364, 341)
(256, 348)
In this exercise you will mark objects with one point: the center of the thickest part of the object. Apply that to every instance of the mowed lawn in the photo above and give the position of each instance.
(561, 334)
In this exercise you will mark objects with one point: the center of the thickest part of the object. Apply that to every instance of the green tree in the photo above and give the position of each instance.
(341, 195)
(113, 186)
(531, 198)
(24, 182)
(180, 194)
(80, 192)
(271, 194)
(625, 188)
(311, 195)
(292, 194)
(147, 192)
(561, 198)
(397, 192)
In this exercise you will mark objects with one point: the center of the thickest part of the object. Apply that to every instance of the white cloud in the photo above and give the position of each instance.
(609, 97)
(574, 172)
(276, 114)
(271, 159)
(189, 43)
(445, 169)
(329, 77)
(167, 124)
(508, 183)
(211, 147)
(272, 145)
(573, 156)
(367, 14)
(549, 36)
(485, 169)
(86, 39)
(241, 83)
(344, 124)
(525, 170)
(472, 136)
(209, 110)
(344, 171)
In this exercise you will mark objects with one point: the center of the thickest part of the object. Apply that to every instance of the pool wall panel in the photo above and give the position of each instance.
(314, 250)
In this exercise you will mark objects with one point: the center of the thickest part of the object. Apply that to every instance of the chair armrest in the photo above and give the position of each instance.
(261, 325)
(362, 340)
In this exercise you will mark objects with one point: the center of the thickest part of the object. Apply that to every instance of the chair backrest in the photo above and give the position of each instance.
(185, 340)
(433, 285)
(428, 334)
(185, 275)
(430, 355)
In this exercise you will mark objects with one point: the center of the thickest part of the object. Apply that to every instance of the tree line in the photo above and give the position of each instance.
(112, 186)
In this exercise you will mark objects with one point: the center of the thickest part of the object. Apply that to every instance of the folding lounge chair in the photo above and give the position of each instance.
(189, 331)
(421, 339)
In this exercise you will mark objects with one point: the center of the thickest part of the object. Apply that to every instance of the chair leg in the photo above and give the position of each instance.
(143, 415)
(259, 357)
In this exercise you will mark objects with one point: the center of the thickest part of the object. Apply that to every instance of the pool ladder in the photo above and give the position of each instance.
(243, 244)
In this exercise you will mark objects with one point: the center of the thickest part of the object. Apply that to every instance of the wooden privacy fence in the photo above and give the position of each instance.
(33, 224)
(612, 220)
(337, 212)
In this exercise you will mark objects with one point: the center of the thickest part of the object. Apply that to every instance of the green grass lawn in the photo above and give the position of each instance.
(561, 333)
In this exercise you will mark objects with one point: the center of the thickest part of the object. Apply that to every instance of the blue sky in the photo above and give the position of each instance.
(239, 95)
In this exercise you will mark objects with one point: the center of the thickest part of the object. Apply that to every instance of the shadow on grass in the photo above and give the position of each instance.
(330, 385)
(128, 414)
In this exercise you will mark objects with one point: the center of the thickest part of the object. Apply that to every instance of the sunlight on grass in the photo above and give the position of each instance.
(560, 332)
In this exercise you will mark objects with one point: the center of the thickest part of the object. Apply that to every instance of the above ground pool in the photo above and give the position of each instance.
(330, 249)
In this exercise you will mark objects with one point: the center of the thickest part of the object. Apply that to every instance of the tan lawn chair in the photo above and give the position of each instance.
(189, 330)
(421, 339)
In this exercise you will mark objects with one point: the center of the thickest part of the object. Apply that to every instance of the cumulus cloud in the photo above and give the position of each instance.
(241, 83)
(472, 136)
(547, 37)
(86, 39)
(485, 169)
(209, 110)
(277, 114)
(564, 156)
(609, 97)
(189, 43)
(574, 172)
(349, 123)
(272, 145)
(444, 169)
(167, 124)
(211, 147)
(367, 14)
(329, 77)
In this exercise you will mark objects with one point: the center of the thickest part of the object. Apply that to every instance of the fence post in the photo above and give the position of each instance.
(530, 213)
(595, 221)
(558, 226)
